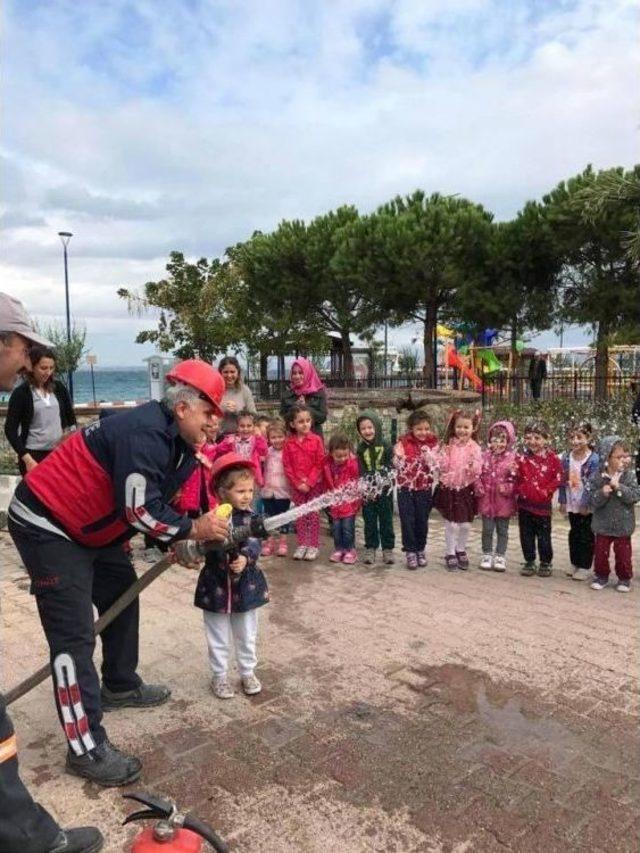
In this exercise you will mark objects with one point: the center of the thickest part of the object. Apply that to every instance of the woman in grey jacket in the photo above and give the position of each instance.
(613, 491)
(237, 396)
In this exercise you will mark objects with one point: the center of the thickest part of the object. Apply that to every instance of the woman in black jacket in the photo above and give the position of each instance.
(39, 411)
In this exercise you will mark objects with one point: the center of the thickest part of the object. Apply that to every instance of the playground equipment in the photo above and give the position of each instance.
(453, 359)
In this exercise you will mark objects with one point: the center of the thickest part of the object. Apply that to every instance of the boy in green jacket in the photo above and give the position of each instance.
(375, 454)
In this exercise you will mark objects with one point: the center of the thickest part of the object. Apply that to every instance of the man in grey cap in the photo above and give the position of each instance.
(25, 827)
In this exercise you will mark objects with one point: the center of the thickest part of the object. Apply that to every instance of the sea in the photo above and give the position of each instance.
(111, 384)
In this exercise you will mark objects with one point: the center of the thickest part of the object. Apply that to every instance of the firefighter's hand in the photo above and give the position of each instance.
(210, 527)
(239, 564)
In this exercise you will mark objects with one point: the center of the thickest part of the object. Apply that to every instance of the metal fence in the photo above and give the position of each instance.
(572, 384)
(567, 385)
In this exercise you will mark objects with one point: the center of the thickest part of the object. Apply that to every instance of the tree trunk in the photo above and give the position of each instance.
(430, 319)
(347, 356)
(602, 361)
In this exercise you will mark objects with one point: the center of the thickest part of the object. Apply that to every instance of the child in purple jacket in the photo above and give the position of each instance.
(495, 490)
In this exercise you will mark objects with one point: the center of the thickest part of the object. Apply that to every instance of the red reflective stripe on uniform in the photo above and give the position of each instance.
(74, 692)
(63, 696)
(83, 725)
(8, 748)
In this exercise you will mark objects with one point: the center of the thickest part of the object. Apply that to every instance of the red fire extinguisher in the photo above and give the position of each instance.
(174, 832)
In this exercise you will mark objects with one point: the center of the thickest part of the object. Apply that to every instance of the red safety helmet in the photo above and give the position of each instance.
(201, 376)
(230, 460)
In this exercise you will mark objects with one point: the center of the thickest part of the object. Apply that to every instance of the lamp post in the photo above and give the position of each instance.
(65, 236)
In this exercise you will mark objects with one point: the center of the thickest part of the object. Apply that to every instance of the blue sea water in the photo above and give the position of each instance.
(126, 383)
(111, 384)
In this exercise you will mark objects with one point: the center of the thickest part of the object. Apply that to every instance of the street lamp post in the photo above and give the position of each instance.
(65, 236)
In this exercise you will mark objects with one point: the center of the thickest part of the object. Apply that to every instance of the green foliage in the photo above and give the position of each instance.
(194, 299)
(520, 291)
(69, 353)
(600, 279)
(408, 360)
(432, 245)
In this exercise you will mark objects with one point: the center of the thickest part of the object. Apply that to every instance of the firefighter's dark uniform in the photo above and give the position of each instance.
(69, 519)
(25, 827)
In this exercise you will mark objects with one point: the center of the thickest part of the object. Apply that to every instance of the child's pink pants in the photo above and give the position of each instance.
(308, 526)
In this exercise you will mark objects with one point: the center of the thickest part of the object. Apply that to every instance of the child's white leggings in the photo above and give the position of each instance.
(456, 536)
(220, 628)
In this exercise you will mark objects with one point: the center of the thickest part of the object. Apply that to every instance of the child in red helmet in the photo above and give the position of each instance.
(232, 586)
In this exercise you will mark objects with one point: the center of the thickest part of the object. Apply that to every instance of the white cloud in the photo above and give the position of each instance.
(144, 128)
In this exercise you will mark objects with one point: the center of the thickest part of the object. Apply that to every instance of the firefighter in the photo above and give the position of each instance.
(25, 826)
(69, 519)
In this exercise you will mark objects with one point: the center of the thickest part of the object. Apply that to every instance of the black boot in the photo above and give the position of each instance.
(83, 839)
(144, 696)
(105, 765)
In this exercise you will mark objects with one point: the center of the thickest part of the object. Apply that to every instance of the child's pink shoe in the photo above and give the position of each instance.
(336, 557)
(349, 558)
(267, 548)
(282, 548)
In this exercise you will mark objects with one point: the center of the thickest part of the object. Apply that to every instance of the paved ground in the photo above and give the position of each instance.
(402, 711)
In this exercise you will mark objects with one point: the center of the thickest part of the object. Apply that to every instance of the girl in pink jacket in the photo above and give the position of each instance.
(247, 444)
(460, 463)
(495, 489)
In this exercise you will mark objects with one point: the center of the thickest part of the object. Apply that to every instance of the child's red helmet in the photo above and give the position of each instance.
(230, 460)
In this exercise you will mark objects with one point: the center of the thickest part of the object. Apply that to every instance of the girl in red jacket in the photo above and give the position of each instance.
(340, 468)
(302, 458)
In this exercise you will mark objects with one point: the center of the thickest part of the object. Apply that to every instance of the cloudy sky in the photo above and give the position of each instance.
(152, 125)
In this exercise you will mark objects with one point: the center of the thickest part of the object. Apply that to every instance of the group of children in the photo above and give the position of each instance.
(267, 464)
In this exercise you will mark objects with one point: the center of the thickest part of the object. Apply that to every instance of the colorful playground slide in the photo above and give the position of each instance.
(454, 360)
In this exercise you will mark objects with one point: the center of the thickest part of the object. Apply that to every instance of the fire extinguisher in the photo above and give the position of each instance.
(174, 832)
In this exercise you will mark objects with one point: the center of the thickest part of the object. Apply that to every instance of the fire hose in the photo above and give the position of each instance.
(187, 551)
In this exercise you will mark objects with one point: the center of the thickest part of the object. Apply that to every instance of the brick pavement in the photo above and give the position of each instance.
(402, 711)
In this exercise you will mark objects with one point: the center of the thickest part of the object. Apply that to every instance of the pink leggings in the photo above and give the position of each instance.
(308, 526)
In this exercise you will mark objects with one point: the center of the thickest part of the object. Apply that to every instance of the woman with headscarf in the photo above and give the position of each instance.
(237, 396)
(306, 387)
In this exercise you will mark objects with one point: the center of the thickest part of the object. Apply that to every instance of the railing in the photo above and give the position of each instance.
(569, 384)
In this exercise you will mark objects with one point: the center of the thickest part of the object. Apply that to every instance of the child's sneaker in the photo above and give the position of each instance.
(581, 574)
(463, 560)
(412, 561)
(528, 569)
(570, 571)
(422, 559)
(387, 558)
(599, 583)
(311, 553)
(282, 548)
(349, 557)
(486, 561)
(251, 685)
(221, 688)
(451, 562)
(623, 586)
(300, 553)
(336, 557)
(545, 570)
(499, 563)
(267, 548)
(369, 556)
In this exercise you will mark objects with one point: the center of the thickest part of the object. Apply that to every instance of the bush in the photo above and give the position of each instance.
(607, 418)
